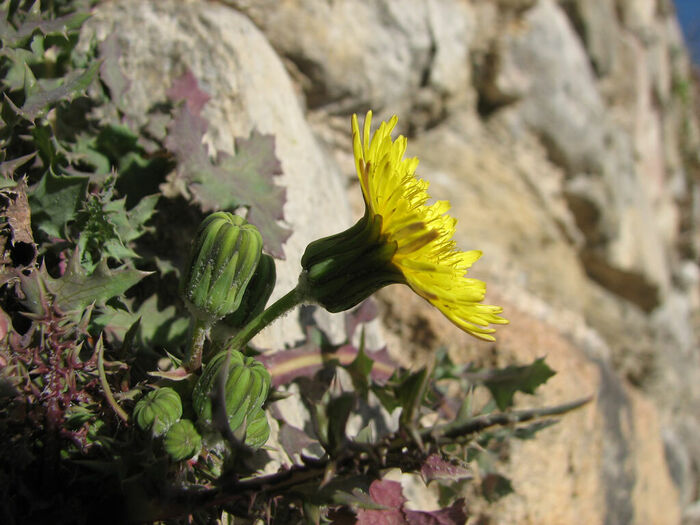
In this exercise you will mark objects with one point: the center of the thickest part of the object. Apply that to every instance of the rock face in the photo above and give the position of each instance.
(564, 135)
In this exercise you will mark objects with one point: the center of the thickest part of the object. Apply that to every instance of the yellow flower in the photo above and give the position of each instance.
(400, 239)
(426, 253)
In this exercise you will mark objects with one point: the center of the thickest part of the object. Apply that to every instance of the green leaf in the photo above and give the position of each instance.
(504, 383)
(107, 228)
(410, 392)
(75, 290)
(495, 486)
(339, 409)
(8, 168)
(73, 84)
(61, 25)
(360, 370)
(156, 328)
(54, 201)
(17, 61)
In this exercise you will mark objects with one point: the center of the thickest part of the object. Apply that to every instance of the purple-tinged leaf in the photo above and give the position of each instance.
(185, 140)
(380, 517)
(110, 70)
(287, 365)
(454, 515)
(187, 88)
(389, 494)
(366, 312)
(250, 179)
(246, 179)
(304, 361)
(435, 467)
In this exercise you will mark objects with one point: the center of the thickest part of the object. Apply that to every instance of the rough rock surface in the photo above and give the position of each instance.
(564, 135)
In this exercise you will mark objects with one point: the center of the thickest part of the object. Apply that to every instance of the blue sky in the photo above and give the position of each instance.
(689, 17)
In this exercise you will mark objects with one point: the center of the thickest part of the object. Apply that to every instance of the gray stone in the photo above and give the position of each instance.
(597, 24)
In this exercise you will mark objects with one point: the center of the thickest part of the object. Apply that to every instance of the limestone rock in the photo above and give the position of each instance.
(348, 56)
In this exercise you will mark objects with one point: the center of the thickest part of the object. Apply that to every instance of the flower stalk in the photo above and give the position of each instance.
(277, 309)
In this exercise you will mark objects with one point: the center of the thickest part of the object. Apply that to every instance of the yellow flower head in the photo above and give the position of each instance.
(400, 239)
(425, 252)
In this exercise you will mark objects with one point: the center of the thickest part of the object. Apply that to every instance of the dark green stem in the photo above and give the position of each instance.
(193, 360)
(272, 312)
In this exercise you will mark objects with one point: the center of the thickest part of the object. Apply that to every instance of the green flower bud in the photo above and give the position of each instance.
(245, 390)
(222, 262)
(256, 295)
(158, 410)
(182, 440)
(342, 270)
(257, 429)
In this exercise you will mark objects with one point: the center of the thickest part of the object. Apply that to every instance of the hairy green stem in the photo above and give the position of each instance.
(193, 360)
(277, 309)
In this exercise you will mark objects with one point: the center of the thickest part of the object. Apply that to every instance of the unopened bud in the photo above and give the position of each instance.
(223, 260)
(342, 270)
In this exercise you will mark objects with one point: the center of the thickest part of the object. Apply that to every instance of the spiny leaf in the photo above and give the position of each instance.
(529, 431)
(55, 200)
(75, 290)
(8, 168)
(495, 486)
(73, 84)
(410, 392)
(61, 25)
(339, 409)
(504, 383)
(435, 467)
(359, 371)
(107, 228)
(15, 66)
